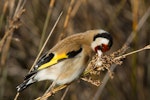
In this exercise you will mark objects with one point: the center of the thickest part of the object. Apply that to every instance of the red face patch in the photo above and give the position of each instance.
(105, 48)
(97, 48)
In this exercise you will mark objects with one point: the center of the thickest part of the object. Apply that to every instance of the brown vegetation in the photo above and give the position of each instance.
(24, 26)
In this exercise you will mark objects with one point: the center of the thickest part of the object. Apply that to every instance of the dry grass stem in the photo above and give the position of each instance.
(22, 21)
(76, 7)
(51, 5)
(5, 7)
(43, 47)
(13, 23)
(46, 41)
(127, 43)
(94, 69)
(62, 35)
(65, 93)
(53, 91)
(107, 61)
(136, 51)
(50, 89)
(51, 86)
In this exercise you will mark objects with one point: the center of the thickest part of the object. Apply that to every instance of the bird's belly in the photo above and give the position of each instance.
(62, 73)
(71, 72)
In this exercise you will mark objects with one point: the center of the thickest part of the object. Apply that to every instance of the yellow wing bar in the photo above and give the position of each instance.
(53, 61)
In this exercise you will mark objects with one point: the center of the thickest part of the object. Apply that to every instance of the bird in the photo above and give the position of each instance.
(67, 60)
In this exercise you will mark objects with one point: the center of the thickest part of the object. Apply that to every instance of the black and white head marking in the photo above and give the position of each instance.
(102, 42)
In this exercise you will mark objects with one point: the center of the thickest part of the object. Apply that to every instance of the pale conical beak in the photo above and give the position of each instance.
(99, 53)
(99, 63)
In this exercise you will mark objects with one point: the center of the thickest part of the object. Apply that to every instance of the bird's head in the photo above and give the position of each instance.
(102, 42)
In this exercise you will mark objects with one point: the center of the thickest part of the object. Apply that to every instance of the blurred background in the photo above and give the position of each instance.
(119, 17)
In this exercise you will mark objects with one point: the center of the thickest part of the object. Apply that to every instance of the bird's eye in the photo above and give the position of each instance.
(105, 48)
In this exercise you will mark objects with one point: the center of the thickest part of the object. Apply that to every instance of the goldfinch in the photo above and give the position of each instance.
(66, 61)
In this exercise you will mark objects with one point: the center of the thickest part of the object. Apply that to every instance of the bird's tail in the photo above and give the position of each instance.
(25, 84)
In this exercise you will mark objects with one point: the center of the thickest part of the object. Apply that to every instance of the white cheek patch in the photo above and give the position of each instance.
(99, 41)
(102, 41)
